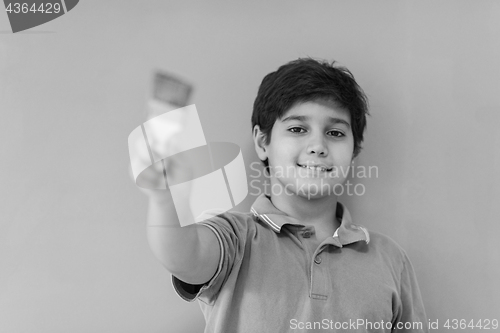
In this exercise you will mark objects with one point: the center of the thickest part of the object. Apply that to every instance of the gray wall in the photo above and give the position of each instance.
(73, 249)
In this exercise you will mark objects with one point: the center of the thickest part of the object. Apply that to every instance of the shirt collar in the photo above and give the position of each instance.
(347, 233)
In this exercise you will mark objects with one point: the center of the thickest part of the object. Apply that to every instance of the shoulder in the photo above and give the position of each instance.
(237, 226)
(387, 248)
(246, 219)
(217, 214)
(233, 221)
(384, 241)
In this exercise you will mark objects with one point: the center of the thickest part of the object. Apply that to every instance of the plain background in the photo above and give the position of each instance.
(73, 250)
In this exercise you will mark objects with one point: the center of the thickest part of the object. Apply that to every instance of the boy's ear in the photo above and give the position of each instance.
(260, 146)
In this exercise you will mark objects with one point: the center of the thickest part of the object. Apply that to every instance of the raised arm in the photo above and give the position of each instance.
(190, 253)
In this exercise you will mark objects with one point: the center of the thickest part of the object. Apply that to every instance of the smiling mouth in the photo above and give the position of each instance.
(316, 167)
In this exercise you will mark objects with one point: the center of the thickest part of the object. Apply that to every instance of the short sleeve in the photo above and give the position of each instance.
(230, 230)
(411, 315)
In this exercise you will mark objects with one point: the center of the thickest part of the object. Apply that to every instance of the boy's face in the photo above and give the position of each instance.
(310, 151)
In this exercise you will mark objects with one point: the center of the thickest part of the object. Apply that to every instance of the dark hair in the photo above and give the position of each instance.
(307, 79)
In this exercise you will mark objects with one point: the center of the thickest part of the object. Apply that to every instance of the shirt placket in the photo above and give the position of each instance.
(320, 279)
(319, 276)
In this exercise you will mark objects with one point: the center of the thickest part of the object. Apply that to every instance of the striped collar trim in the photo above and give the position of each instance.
(347, 233)
(266, 219)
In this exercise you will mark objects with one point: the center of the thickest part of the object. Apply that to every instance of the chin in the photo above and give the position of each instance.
(310, 190)
(314, 195)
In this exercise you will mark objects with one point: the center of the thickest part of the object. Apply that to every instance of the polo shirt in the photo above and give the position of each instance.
(270, 278)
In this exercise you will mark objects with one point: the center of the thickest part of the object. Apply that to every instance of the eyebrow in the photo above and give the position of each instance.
(306, 118)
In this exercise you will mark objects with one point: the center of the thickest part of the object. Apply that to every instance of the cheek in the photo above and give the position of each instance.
(284, 153)
(343, 153)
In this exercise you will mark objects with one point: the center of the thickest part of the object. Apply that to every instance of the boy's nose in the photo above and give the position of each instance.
(317, 147)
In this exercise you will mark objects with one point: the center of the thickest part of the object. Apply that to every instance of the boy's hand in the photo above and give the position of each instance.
(155, 180)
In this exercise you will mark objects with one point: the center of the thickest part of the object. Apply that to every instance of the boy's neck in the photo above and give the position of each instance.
(321, 213)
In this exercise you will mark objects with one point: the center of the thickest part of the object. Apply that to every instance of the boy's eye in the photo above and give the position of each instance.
(336, 133)
(296, 130)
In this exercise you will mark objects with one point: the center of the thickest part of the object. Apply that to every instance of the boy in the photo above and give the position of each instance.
(296, 262)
